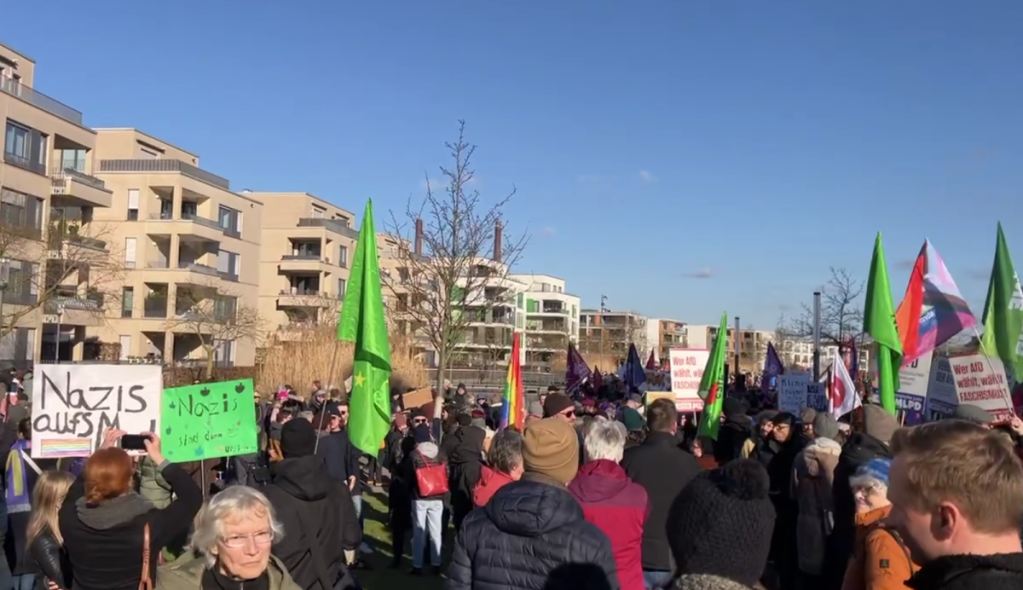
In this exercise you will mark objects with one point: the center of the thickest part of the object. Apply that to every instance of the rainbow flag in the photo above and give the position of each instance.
(513, 412)
(932, 310)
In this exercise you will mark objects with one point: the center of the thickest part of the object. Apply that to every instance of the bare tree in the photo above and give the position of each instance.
(454, 257)
(841, 314)
(73, 268)
(214, 316)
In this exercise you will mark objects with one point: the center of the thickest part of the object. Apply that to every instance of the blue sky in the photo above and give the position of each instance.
(679, 157)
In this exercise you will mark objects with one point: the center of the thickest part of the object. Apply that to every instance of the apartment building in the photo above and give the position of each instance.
(49, 196)
(551, 317)
(609, 333)
(189, 247)
(304, 259)
(663, 334)
(752, 344)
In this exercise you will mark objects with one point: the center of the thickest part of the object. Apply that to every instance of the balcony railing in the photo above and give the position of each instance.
(155, 307)
(309, 256)
(333, 225)
(34, 97)
(202, 221)
(157, 264)
(165, 165)
(24, 163)
(54, 305)
(199, 268)
(62, 172)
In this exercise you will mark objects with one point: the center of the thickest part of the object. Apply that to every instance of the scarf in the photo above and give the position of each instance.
(18, 495)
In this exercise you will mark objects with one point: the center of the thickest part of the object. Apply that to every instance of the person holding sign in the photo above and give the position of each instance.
(106, 524)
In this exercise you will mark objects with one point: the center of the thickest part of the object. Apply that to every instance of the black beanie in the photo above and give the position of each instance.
(298, 439)
(721, 523)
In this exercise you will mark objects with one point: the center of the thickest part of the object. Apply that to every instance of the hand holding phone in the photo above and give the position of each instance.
(133, 442)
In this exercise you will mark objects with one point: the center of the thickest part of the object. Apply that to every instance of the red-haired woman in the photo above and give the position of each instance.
(104, 521)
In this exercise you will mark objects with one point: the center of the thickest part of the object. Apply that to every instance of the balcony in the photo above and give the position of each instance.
(155, 307)
(333, 225)
(156, 166)
(302, 263)
(306, 298)
(24, 163)
(71, 188)
(73, 311)
(18, 90)
(202, 269)
(58, 242)
(189, 224)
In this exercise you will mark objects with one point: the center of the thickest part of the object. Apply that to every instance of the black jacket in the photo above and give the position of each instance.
(971, 572)
(663, 470)
(340, 457)
(858, 450)
(732, 435)
(319, 522)
(531, 535)
(110, 557)
(48, 558)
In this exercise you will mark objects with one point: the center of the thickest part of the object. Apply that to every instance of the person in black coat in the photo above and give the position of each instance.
(532, 534)
(464, 452)
(736, 429)
(317, 513)
(663, 470)
(103, 520)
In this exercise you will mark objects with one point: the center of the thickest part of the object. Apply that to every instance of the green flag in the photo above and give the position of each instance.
(1003, 310)
(363, 322)
(712, 384)
(879, 322)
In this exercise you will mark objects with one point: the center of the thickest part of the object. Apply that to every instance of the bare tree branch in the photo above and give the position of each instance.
(213, 316)
(449, 276)
(841, 314)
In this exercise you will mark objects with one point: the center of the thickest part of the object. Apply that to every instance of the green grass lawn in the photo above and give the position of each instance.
(377, 536)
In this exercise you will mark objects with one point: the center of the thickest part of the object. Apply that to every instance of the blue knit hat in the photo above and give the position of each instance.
(876, 468)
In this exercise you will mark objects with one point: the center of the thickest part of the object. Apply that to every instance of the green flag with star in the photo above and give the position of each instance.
(363, 323)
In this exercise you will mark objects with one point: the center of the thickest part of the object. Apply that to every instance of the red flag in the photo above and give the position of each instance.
(651, 362)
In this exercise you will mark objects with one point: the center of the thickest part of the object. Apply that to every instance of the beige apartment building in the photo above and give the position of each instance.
(304, 258)
(189, 247)
(49, 195)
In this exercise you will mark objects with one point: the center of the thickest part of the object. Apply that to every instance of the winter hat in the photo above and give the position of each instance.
(556, 403)
(974, 414)
(825, 426)
(732, 408)
(808, 415)
(876, 469)
(535, 409)
(551, 447)
(632, 420)
(721, 523)
(298, 439)
(878, 423)
(421, 434)
(463, 419)
(705, 582)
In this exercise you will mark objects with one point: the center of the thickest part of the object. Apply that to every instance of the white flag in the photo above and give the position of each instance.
(844, 397)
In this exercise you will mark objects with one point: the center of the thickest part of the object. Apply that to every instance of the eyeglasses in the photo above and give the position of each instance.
(238, 541)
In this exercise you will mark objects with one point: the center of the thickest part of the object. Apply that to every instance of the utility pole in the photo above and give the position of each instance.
(816, 336)
(738, 348)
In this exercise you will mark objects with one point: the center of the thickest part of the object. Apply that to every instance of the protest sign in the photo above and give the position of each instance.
(209, 421)
(942, 400)
(980, 381)
(73, 405)
(687, 366)
(816, 397)
(911, 396)
(792, 391)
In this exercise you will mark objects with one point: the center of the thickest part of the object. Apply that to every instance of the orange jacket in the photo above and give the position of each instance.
(880, 559)
(491, 480)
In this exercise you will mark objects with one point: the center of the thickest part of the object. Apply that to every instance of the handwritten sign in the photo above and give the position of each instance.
(73, 405)
(792, 391)
(816, 397)
(980, 381)
(687, 365)
(208, 421)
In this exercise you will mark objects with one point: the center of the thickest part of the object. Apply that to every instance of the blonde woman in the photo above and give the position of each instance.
(43, 539)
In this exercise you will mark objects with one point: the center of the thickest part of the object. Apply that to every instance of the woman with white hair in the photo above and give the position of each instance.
(880, 560)
(610, 500)
(234, 533)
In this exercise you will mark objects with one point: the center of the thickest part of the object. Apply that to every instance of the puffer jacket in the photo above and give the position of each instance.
(880, 560)
(813, 476)
(531, 536)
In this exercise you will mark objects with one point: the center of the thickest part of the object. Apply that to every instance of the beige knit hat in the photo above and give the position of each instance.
(551, 447)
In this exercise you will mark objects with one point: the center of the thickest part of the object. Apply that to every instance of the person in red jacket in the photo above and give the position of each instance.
(611, 501)
(504, 465)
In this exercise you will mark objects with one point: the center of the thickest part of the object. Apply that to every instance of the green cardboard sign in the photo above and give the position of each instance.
(208, 421)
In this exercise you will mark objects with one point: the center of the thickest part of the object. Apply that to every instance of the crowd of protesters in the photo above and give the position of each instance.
(598, 490)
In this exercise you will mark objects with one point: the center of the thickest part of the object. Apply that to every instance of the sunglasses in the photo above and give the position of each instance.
(419, 421)
(568, 413)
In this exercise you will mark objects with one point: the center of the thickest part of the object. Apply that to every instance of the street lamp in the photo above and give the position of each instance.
(60, 316)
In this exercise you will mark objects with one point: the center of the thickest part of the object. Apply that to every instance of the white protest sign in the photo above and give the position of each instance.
(687, 365)
(942, 400)
(792, 391)
(73, 405)
(980, 381)
(913, 377)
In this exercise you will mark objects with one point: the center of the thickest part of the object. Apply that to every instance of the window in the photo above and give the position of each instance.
(341, 284)
(229, 263)
(22, 288)
(133, 204)
(225, 308)
(342, 256)
(130, 250)
(223, 352)
(20, 210)
(149, 154)
(127, 301)
(318, 213)
(18, 345)
(228, 219)
(25, 147)
(72, 160)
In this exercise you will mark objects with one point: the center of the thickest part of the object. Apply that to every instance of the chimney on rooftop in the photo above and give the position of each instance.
(497, 240)
(418, 246)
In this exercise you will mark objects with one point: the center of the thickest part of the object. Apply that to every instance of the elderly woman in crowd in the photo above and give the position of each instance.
(880, 558)
(233, 537)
